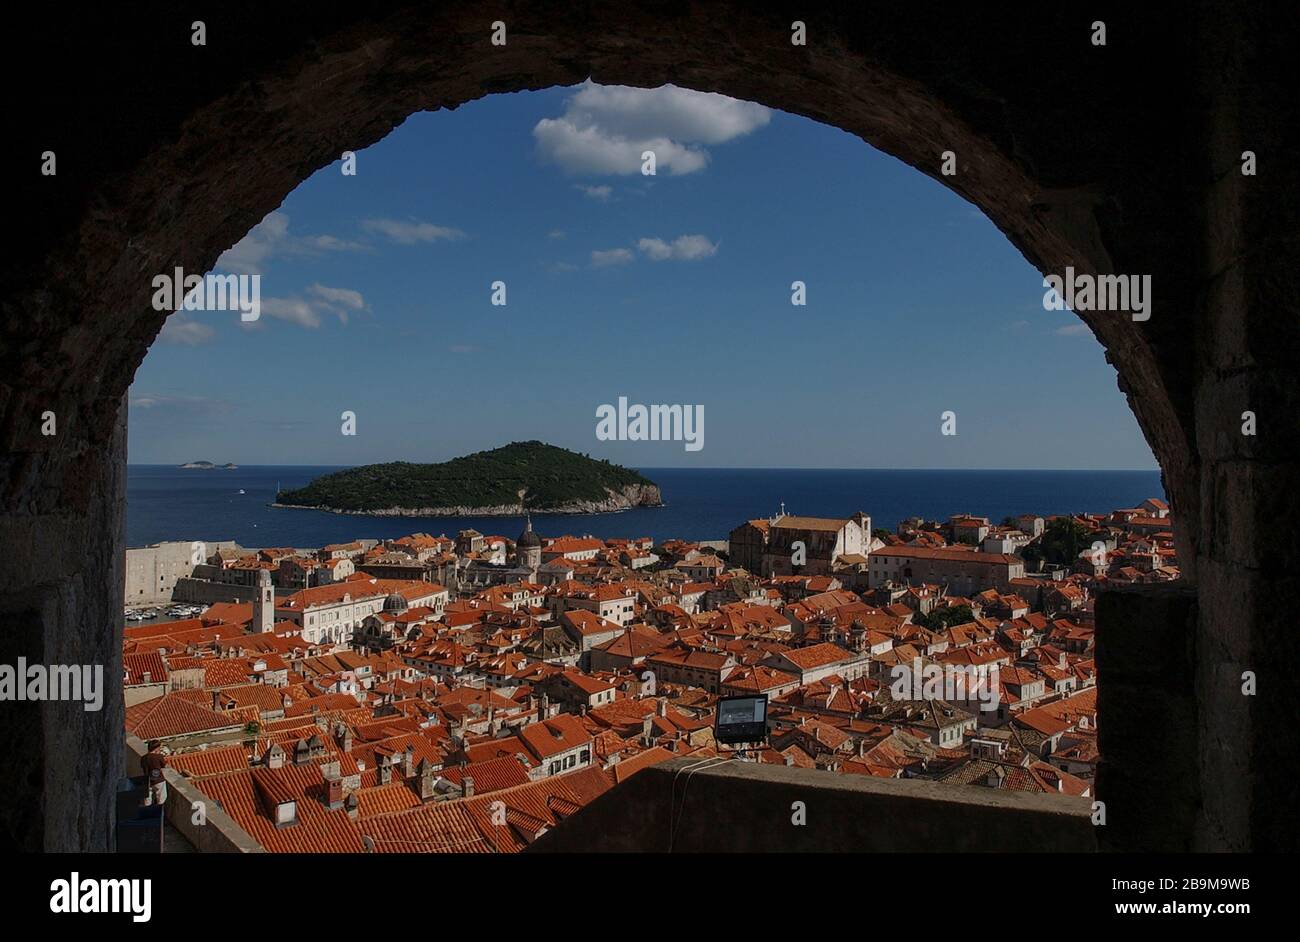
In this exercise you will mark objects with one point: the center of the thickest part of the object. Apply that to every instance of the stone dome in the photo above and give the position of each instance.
(528, 538)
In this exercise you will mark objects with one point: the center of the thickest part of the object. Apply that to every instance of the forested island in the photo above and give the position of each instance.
(522, 476)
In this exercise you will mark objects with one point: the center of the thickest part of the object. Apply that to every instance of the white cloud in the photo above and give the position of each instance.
(605, 128)
(601, 193)
(338, 301)
(587, 150)
(1073, 330)
(271, 239)
(610, 257)
(555, 234)
(309, 311)
(686, 248)
(181, 329)
(409, 232)
(184, 405)
(343, 297)
(294, 310)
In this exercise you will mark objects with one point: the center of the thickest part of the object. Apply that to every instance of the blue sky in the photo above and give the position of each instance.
(666, 289)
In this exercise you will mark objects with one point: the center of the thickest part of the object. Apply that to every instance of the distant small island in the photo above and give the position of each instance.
(207, 466)
(522, 476)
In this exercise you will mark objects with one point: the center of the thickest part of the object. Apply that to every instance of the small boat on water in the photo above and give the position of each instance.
(241, 490)
(182, 610)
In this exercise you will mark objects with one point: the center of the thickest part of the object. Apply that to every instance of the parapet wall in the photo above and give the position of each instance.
(690, 806)
(196, 816)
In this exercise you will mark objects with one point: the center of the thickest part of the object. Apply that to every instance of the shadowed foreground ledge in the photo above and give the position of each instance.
(742, 807)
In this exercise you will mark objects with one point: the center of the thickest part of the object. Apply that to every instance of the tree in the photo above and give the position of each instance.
(954, 615)
(1062, 541)
(942, 619)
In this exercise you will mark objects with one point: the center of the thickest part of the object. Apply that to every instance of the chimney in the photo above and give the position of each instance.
(385, 770)
(350, 805)
(333, 793)
(789, 759)
(543, 707)
(661, 708)
(467, 786)
(427, 777)
(408, 769)
(647, 726)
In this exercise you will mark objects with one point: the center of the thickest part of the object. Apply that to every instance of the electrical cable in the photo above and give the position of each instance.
(675, 818)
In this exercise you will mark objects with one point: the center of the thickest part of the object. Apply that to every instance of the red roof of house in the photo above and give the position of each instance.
(551, 737)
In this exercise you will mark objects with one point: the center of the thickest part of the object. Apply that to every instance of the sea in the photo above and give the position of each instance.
(167, 503)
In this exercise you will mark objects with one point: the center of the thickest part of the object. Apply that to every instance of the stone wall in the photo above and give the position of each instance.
(61, 603)
(1148, 716)
(152, 572)
(693, 806)
(202, 592)
(197, 817)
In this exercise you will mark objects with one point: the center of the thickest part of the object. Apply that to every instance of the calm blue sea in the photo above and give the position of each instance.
(166, 503)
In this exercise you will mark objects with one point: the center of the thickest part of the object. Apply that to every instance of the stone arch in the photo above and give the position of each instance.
(1065, 147)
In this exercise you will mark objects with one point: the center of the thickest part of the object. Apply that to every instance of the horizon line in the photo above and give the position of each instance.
(238, 466)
